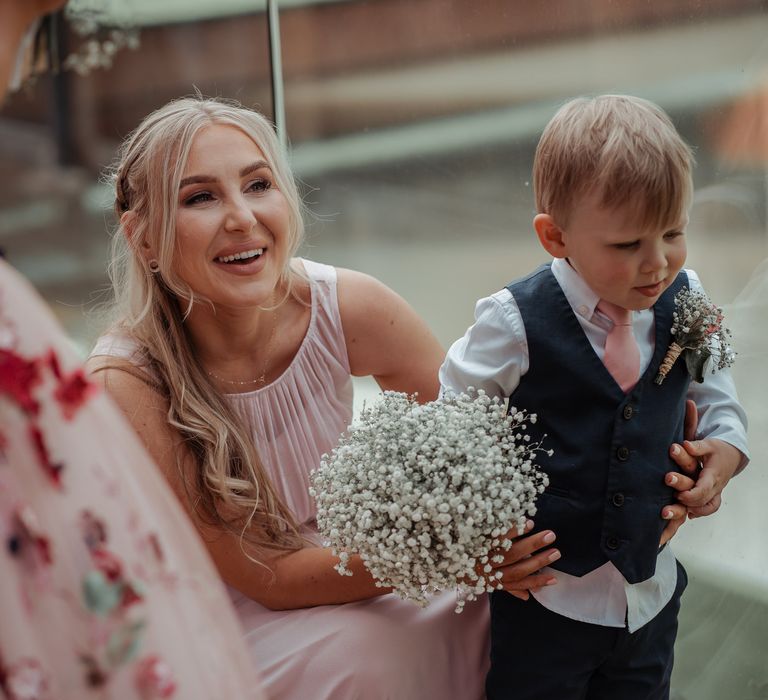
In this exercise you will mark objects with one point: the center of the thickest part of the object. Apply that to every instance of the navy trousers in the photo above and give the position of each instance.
(539, 655)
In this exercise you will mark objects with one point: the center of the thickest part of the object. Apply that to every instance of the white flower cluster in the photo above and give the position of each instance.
(90, 20)
(424, 494)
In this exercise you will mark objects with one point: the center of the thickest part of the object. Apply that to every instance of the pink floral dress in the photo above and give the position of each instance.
(105, 590)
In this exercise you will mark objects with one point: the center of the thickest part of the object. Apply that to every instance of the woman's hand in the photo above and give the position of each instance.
(683, 480)
(522, 561)
(717, 462)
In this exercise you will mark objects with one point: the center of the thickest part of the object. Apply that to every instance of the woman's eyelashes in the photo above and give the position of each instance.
(259, 185)
(197, 198)
(256, 186)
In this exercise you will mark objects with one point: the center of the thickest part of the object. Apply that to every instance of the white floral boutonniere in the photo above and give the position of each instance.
(697, 327)
(427, 494)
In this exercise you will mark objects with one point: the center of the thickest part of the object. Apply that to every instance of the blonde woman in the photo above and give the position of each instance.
(233, 361)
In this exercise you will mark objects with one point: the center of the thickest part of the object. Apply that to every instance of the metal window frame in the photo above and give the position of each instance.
(276, 71)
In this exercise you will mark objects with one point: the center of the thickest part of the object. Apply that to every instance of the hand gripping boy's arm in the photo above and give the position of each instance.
(718, 462)
(721, 448)
(682, 480)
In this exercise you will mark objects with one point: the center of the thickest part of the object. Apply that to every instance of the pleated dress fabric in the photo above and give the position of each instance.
(380, 649)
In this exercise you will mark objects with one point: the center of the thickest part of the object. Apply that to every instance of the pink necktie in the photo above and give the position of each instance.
(622, 356)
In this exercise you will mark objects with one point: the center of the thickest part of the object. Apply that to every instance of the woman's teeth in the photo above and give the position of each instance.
(245, 255)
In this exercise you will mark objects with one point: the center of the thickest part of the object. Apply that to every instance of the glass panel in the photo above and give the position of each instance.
(58, 135)
(414, 126)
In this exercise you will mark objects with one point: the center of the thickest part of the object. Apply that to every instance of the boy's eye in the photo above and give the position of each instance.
(670, 235)
(629, 245)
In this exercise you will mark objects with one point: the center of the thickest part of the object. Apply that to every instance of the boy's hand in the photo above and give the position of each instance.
(717, 462)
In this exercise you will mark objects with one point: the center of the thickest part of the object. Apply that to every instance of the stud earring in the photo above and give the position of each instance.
(154, 266)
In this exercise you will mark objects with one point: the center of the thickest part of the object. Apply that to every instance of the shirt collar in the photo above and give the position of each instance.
(580, 296)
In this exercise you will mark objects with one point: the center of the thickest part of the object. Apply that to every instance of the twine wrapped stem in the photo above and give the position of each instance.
(669, 359)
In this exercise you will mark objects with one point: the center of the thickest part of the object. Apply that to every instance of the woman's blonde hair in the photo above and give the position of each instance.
(623, 148)
(230, 488)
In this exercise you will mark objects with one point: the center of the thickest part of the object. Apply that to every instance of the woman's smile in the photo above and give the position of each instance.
(246, 259)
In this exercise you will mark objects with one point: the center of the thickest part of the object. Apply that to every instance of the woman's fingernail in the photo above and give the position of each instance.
(549, 537)
(554, 556)
(671, 479)
(528, 525)
(668, 515)
(675, 450)
(551, 582)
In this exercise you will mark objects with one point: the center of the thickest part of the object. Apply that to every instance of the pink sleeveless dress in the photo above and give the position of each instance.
(106, 592)
(380, 649)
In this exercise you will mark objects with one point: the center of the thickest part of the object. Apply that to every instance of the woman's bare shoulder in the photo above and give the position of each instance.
(123, 380)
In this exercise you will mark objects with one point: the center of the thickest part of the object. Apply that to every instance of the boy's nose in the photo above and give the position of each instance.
(654, 260)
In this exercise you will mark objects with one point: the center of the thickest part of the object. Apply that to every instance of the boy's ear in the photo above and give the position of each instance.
(551, 236)
(128, 224)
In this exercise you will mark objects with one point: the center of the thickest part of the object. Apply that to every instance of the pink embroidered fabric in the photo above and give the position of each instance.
(379, 649)
(106, 591)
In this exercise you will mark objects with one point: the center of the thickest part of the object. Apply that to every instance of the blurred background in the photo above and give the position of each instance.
(412, 126)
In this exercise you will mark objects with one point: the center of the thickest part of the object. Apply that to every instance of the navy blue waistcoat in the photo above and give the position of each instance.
(611, 449)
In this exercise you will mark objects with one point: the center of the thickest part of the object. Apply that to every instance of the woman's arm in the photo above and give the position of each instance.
(385, 337)
(288, 580)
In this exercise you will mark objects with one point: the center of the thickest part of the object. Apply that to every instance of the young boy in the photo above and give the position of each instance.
(579, 342)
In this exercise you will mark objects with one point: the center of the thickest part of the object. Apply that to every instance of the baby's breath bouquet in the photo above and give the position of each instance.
(697, 328)
(424, 494)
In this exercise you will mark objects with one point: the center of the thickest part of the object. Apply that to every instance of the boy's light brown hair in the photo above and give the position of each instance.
(624, 148)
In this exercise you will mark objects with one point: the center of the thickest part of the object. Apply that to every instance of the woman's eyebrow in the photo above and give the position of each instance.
(256, 165)
(193, 179)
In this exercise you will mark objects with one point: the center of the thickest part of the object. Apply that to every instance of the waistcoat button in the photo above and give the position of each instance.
(628, 411)
(612, 542)
(623, 453)
(618, 499)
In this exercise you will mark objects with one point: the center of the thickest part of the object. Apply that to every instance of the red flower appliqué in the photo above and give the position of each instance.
(106, 562)
(18, 377)
(73, 389)
(52, 470)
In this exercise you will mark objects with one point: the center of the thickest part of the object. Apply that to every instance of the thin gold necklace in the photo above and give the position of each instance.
(262, 378)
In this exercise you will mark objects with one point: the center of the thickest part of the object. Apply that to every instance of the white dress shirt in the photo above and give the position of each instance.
(493, 356)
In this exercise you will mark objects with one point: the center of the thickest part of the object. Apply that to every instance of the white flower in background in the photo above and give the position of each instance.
(104, 27)
(425, 494)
